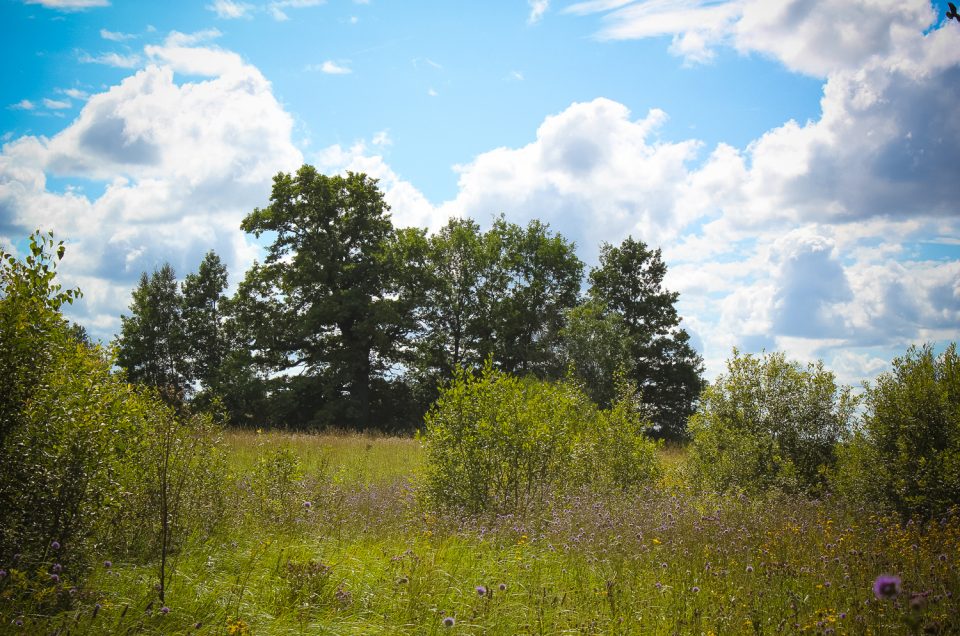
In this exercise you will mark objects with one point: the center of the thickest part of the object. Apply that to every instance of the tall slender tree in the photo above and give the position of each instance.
(666, 368)
(152, 348)
(203, 321)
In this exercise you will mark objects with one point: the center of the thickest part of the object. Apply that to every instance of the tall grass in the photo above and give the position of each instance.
(355, 551)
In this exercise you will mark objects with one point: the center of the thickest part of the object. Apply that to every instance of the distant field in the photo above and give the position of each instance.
(326, 534)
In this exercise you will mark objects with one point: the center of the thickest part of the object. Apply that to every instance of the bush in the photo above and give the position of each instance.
(908, 455)
(502, 443)
(769, 423)
(77, 442)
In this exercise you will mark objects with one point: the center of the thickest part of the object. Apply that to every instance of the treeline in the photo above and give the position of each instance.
(352, 322)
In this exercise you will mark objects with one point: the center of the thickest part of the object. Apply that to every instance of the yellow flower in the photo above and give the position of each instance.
(656, 541)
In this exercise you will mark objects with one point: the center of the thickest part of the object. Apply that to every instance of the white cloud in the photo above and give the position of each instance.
(184, 161)
(230, 10)
(382, 138)
(537, 9)
(23, 104)
(432, 92)
(811, 37)
(115, 36)
(70, 5)
(74, 93)
(592, 172)
(55, 104)
(516, 76)
(277, 8)
(330, 68)
(111, 59)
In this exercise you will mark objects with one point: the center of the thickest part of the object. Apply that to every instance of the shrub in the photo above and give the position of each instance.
(77, 440)
(769, 423)
(907, 456)
(502, 443)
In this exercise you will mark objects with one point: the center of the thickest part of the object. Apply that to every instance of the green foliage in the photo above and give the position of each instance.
(769, 423)
(152, 346)
(325, 300)
(205, 336)
(908, 454)
(276, 485)
(502, 443)
(536, 280)
(665, 367)
(30, 301)
(596, 346)
(79, 451)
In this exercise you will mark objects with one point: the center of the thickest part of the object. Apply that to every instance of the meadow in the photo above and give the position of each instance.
(330, 534)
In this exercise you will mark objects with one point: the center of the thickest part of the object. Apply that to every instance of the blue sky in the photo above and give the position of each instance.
(796, 161)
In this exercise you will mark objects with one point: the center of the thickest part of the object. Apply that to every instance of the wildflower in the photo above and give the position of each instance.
(54, 545)
(55, 578)
(57, 568)
(108, 564)
(18, 622)
(942, 558)
(307, 505)
(449, 621)
(481, 590)
(3, 574)
(749, 569)
(503, 587)
(664, 565)
(695, 589)
(886, 586)
(164, 610)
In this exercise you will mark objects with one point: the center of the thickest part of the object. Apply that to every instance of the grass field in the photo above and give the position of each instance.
(327, 534)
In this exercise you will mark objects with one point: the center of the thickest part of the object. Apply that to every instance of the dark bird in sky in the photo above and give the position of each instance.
(952, 13)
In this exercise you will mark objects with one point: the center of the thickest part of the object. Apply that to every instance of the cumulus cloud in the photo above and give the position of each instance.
(811, 37)
(183, 162)
(592, 172)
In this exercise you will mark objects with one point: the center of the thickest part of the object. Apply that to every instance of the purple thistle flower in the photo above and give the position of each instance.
(18, 622)
(503, 587)
(749, 569)
(108, 564)
(57, 568)
(55, 578)
(449, 621)
(886, 586)
(164, 610)
(54, 545)
(695, 589)
(307, 505)
(481, 590)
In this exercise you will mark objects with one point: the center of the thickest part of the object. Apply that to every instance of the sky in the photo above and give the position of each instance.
(796, 161)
